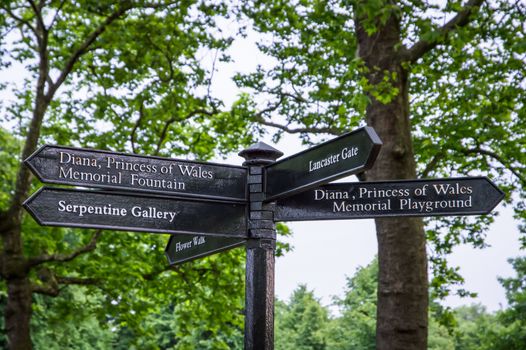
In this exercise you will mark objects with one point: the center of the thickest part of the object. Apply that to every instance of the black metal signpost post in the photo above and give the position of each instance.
(211, 207)
(261, 247)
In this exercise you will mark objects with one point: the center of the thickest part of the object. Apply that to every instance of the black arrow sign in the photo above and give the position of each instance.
(128, 212)
(357, 200)
(94, 168)
(182, 248)
(345, 155)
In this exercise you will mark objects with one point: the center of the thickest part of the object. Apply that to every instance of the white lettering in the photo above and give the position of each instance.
(349, 152)
(81, 209)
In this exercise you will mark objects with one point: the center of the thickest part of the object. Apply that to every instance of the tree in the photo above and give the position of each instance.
(58, 327)
(504, 329)
(513, 333)
(475, 328)
(355, 329)
(442, 84)
(123, 76)
(301, 323)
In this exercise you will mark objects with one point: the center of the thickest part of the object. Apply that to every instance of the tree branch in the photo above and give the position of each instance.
(23, 178)
(259, 118)
(152, 275)
(67, 257)
(478, 150)
(20, 20)
(173, 120)
(77, 281)
(56, 15)
(51, 290)
(38, 12)
(212, 71)
(462, 19)
(168, 60)
(88, 41)
(83, 48)
(431, 165)
(51, 287)
(325, 130)
(136, 126)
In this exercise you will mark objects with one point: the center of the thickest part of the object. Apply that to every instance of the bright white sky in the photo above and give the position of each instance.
(325, 252)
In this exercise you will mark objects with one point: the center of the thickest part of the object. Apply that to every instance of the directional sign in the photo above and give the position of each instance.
(182, 248)
(128, 212)
(357, 200)
(94, 168)
(345, 155)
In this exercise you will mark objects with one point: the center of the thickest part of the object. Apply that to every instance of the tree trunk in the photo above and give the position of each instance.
(18, 313)
(19, 298)
(403, 285)
(15, 267)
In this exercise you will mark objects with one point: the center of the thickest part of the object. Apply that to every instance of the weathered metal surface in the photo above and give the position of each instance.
(260, 247)
(360, 200)
(345, 155)
(183, 248)
(131, 212)
(259, 294)
(112, 170)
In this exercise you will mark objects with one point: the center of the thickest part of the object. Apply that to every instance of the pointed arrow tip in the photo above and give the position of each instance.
(35, 153)
(373, 135)
(27, 205)
(30, 162)
(500, 193)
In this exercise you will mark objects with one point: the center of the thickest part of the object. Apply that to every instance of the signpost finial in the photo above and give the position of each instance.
(260, 154)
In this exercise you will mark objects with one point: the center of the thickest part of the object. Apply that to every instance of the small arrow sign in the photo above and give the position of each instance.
(142, 213)
(183, 248)
(360, 200)
(345, 155)
(112, 170)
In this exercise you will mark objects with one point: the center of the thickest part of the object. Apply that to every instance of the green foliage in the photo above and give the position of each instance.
(439, 337)
(468, 118)
(141, 85)
(66, 322)
(282, 232)
(466, 94)
(356, 328)
(315, 81)
(142, 79)
(303, 323)
(9, 146)
(513, 334)
(475, 327)
(300, 324)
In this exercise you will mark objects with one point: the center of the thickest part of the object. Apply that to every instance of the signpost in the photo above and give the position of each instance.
(348, 154)
(211, 207)
(182, 248)
(142, 213)
(112, 170)
(360, 200)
